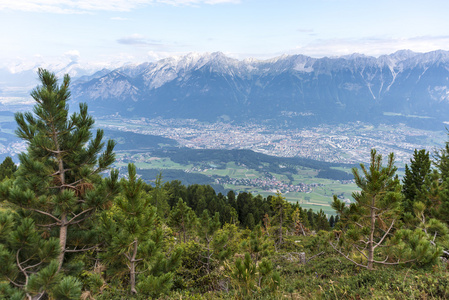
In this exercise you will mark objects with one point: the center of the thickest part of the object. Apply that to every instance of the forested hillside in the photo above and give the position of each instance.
(71, 228)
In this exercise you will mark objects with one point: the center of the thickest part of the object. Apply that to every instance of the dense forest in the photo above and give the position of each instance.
(71, 228)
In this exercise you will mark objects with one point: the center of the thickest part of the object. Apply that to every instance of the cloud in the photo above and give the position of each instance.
(374, 46)
(138, 40)
(86, 6)
(119, 19)
(73, 55)
(305, 30)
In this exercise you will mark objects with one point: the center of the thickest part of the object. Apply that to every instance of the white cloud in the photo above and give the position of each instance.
(73, 55)
(85, 6)
(119, 19)
(372, 46)
(139, 40)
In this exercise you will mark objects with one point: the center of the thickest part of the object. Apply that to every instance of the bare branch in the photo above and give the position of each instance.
(47, 214)
(47, 225)
(33, 266)
(20, 267)
(80, 250)
(72, 221)
(347, 257)
(14, 283)
(385, 235)
(394, 263)
(361, 252)
(312, 257)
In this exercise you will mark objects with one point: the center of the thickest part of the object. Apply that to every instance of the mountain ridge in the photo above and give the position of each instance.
(296, 89)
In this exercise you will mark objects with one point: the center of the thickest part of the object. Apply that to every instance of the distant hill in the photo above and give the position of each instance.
(292, 89)
(137, 142)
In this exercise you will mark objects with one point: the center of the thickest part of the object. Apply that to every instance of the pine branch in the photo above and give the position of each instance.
(76, 216)
(312, 257)
(48, 225)
(80, 250)
(393, 263)
(33, 266)
(46, 214)
(361, 252)
(385, 235)
(14, 283)
(20, 266)
(347, 257)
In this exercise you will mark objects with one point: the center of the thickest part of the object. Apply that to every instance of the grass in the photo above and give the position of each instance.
(319, 198)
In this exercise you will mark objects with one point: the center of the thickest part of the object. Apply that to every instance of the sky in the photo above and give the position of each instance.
(117, 31)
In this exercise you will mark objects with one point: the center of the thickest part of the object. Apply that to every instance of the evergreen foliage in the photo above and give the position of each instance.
(57, 185)
(7, 168)
(134, 242)
(281, 209)
(414, 178)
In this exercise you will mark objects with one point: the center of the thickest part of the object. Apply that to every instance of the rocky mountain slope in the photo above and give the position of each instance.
(294, 88)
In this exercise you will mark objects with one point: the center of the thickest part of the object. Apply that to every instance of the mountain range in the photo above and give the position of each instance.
(291, 89)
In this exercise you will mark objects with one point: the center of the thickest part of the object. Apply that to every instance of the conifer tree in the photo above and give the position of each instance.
(321, 221)
(414, 178)
(7, 168)
(281, 208)
(159, 197)
(258, 244)
(376, 209)
(369, 223)
(183, 218)
(58, 184)
(207, 228)
(134, 239)
(29, 261)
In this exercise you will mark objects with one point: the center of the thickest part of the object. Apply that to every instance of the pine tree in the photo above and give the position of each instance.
(7, 168)
(134, 239)
(159, 197)
(58, 184)
(26, 257)
(206, 230)
(183, 218)
(369, 223)
(376, 208)
(281, 208)
(321, 221)
(414, 178)
(258, 244)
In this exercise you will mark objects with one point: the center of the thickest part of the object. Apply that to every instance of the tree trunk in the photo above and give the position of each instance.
(132, 275)
(63, 226)
(183, 229)
(208, 255)
(371, 236)
(280, 225)
(62, 239)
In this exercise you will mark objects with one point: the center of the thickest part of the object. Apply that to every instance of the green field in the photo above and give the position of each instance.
(319, 198)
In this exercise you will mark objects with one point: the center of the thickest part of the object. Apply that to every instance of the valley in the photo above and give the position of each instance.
(348, 143)
(308, 166)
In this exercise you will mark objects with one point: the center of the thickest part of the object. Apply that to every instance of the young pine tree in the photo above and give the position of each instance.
(369, 223)
(375, 212)
(58, 186)
(281, 209)
(207, 228)
(414, 178)
(134, 240)
(183, 219)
